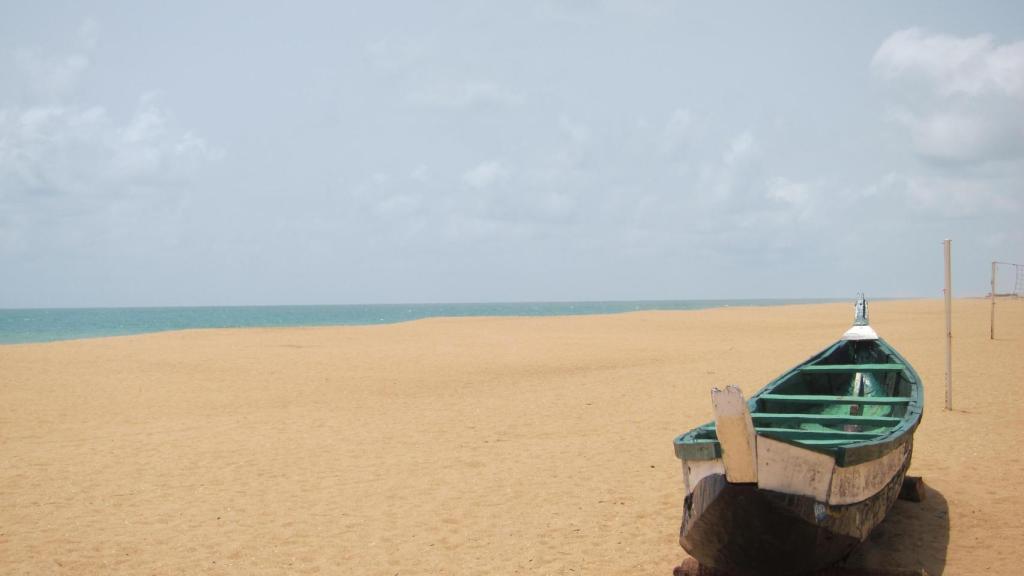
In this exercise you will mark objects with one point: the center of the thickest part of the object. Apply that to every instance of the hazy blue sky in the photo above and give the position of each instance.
(189, 153)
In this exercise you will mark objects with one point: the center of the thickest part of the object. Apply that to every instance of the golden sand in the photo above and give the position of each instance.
(461, 446)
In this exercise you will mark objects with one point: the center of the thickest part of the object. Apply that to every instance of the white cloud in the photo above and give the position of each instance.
(965, 135)
(956, 65)
(959, 197)
(729, 180)
(943, 196)
(52, 78)
(797, 200)
(485, 174)
(71, 170)
(63, 150)
(957, 102)
(740, 149)
(392, 196)
(959, 98)
(788, 191)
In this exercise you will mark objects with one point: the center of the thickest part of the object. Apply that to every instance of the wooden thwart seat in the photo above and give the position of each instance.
(824, 419)
(826, 441)
(801, 434)
(851, 368)
(821, 399)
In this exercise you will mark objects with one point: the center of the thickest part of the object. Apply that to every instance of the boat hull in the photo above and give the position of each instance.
(744, 530)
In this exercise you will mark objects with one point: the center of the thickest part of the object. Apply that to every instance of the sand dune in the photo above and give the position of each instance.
(460, 446)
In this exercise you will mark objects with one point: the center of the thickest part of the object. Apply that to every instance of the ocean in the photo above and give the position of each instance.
(52, 324)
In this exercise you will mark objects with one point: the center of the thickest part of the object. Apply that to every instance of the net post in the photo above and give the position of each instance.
(949, 327)
(992, 316)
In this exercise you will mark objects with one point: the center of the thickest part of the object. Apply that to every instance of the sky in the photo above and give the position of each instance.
(237, 153)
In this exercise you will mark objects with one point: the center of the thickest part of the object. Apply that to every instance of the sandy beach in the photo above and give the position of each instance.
(461, 446)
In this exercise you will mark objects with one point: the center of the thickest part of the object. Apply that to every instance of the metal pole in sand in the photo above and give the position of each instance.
(949, 328)
(992, 316)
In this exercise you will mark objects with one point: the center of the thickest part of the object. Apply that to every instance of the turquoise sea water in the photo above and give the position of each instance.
(47, 325)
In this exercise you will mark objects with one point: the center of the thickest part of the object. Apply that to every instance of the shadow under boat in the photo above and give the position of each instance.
(914, 536)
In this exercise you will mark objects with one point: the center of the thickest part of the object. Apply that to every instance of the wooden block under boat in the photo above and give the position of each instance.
(913, 489)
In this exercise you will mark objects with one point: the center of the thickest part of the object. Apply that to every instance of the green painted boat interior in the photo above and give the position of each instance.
(854, 400)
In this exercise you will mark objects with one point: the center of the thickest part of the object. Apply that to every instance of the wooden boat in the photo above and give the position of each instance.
(794, 479)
